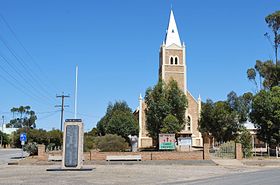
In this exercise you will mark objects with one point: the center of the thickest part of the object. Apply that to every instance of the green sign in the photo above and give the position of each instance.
(167, 141)
(167, 146)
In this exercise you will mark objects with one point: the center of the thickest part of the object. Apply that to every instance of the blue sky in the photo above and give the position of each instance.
(116, 44)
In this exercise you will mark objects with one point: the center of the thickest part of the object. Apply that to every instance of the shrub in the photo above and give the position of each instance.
(33, 135)
(111, 143)
(55, 137)
(39, 136)
(31, 148)
(245, 138)
(89, 142)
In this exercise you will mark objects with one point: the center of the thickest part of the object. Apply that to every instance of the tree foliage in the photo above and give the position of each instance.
(38, 136)
(171, 125)
(5, 138)
(273, 22)
(223, 119)
(118, 120)
(240, 104)
(25, 117)
(162, 101)
(245, 138)
(265, 115)
(268, 71)
(219, 120)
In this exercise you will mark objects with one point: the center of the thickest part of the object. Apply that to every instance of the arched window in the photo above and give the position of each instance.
(188, 126)
(176, 60)
(171, 60)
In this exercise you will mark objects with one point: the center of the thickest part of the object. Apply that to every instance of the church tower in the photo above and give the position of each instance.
(172, 59)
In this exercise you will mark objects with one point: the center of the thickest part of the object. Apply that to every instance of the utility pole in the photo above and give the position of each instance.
(62, 107)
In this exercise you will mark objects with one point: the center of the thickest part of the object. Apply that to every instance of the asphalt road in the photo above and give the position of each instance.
(10, 155)
(267, 176)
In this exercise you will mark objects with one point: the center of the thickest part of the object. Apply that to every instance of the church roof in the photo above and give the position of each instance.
(172, 34)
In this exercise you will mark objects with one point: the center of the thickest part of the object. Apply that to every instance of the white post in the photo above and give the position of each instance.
(253, 144)
(76, 92)
(140, 121)
(277, 147)
(199, 116)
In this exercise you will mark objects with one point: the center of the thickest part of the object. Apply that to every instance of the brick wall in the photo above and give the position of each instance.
(42, 156)
(238, 151)
(99, 156)
(194, 155)
(206, 153)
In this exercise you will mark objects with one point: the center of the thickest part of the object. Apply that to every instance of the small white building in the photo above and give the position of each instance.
(6, 130)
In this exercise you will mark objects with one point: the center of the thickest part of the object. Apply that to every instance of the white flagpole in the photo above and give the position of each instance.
(76, 91)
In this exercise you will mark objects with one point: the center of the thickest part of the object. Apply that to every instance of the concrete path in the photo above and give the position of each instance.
(227, 162)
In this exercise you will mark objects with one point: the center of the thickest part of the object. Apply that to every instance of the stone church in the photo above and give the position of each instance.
(172, 65)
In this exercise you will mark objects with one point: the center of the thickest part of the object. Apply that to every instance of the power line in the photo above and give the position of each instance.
(50, 114)
(24, 48)
(15, 86)
(20, 74)
(21, 62)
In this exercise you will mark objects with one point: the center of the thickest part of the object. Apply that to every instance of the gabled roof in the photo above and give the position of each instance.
(172, 34)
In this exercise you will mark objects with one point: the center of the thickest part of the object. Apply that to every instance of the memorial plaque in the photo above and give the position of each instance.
(73, 142)
(71, 145)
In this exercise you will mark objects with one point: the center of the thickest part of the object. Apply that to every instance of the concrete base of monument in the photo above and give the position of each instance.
(70, 169)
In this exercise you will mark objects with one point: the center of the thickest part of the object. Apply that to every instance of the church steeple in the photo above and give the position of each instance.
(172, 34)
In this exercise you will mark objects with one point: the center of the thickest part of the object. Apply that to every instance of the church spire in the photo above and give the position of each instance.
(172, 34)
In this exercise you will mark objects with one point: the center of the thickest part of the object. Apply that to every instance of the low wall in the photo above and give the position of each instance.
(146, 156)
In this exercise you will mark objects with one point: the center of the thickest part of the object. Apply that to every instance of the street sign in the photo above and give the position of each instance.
(23, 137)
(22, 143)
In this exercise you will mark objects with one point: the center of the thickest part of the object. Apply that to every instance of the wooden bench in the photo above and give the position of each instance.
(123, 158)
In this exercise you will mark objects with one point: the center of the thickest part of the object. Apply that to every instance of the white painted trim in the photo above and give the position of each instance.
(185, 68)
(140, 121)
(174, 65)
(163, 62)
(146, 137)
(174, 47)
(174, 72)
(191, 96)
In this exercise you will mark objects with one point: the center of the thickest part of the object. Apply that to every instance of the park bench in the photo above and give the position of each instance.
(123, 158)
(55, 158)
